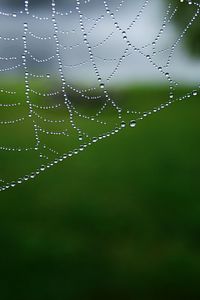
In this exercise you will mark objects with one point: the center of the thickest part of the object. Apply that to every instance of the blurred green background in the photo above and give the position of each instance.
(119, 221)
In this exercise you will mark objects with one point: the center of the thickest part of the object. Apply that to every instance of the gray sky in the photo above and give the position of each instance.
(134, 68)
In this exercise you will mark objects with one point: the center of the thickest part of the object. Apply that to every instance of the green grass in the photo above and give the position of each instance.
(119, 221)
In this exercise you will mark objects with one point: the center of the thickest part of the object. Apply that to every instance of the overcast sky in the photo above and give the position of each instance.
(134, 68)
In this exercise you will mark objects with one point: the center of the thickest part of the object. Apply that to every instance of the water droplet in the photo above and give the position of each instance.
(194, 93)
(42, 168)
(132, 123)
(123, 124)
(80, 137)
(94, 139)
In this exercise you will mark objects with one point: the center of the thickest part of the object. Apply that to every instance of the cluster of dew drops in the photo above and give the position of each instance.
(129, 50)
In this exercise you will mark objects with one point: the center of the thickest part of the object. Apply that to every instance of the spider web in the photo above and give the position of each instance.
(58, 115)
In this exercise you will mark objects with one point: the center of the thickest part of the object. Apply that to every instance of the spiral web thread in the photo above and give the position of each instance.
(67, 121)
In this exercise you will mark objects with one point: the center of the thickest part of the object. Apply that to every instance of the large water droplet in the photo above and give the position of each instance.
(102, 86)
(194, 93)
(132, 123)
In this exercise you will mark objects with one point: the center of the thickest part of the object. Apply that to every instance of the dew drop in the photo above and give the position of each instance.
(132, 123)
(102, 86)
(123, 124)
(194, 93)
(42, 168)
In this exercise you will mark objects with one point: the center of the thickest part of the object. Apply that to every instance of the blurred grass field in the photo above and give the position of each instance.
(119, 221)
